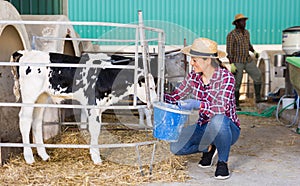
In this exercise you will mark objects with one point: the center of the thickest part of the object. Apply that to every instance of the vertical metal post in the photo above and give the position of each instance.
(139, 159)
(152, 159)
(33, 43)
(64, 7)
(145, 56)
(161, 65)
(21, 7)
(136, 64)
(288, 85)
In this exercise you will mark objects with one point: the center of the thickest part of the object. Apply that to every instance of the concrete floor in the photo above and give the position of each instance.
(267, 153)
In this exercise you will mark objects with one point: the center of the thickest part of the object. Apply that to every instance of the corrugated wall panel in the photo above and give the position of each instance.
(38, 7)
(190, 18)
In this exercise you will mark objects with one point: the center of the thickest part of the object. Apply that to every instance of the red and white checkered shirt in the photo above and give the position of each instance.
(215, 98)
(238, 46)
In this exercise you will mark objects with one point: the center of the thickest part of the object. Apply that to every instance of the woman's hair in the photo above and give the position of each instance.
(217, 62)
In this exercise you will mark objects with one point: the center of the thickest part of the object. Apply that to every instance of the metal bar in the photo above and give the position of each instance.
(81, 146)
(70, 65)
(91, 39)
(139, 159)
(152, 159)
(151, 39)
(21, 7)
(135, 126)
(153, 29)
(167, 53)
(86, 23)
(33, 43)
(83, 39)
(132, 126)
(136, 60)
(145, 54)
(65, 123)
(30, 6)
(4, 104)
(161, 65)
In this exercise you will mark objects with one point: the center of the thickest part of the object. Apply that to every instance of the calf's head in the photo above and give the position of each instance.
(141, 90)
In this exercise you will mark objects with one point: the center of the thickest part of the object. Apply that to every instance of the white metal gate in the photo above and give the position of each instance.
(141, 43)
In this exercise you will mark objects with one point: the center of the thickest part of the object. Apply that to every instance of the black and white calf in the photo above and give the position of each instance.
(90, 86)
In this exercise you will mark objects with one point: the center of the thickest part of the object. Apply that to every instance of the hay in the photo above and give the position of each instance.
(119, 167)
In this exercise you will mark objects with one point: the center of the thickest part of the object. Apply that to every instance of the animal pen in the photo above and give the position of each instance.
(141, 49)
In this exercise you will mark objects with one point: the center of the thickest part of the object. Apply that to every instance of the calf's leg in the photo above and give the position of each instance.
(94, 118)
(148, 114)
(25, 116)
(37, 128)
(142, 113)
(37, 131)
(141, 117)
(83, 118)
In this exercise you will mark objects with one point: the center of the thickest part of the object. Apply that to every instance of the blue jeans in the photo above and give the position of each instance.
(220, 131)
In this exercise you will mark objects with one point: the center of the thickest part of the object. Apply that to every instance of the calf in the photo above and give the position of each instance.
(90, 86)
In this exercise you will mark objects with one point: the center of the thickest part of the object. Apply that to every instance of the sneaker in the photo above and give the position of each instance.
(222, 172)
(207, 158)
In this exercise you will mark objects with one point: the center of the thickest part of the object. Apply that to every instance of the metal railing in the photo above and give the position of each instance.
(140, 41)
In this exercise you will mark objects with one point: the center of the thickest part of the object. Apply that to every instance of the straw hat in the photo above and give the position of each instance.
(239, 16)
(203, 47)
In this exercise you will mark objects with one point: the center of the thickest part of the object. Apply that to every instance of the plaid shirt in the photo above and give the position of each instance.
(215, 98)
(238, 46)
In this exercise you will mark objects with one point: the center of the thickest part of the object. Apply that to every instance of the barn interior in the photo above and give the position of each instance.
(62, 38)
(17, 37)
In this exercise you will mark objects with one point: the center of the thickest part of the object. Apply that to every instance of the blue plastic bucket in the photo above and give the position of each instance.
(168, 121)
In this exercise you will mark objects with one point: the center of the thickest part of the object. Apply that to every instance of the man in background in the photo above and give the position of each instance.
(238, 46)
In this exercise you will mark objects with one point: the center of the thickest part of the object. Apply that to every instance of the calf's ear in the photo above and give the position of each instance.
(141, 92)
(15, 57)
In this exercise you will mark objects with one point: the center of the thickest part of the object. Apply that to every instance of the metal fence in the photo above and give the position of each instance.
(140, 42)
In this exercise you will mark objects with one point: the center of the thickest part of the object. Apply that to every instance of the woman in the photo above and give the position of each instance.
(211, 87)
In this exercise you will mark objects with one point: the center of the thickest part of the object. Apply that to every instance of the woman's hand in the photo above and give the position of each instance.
(232, 68)
(189, 104)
